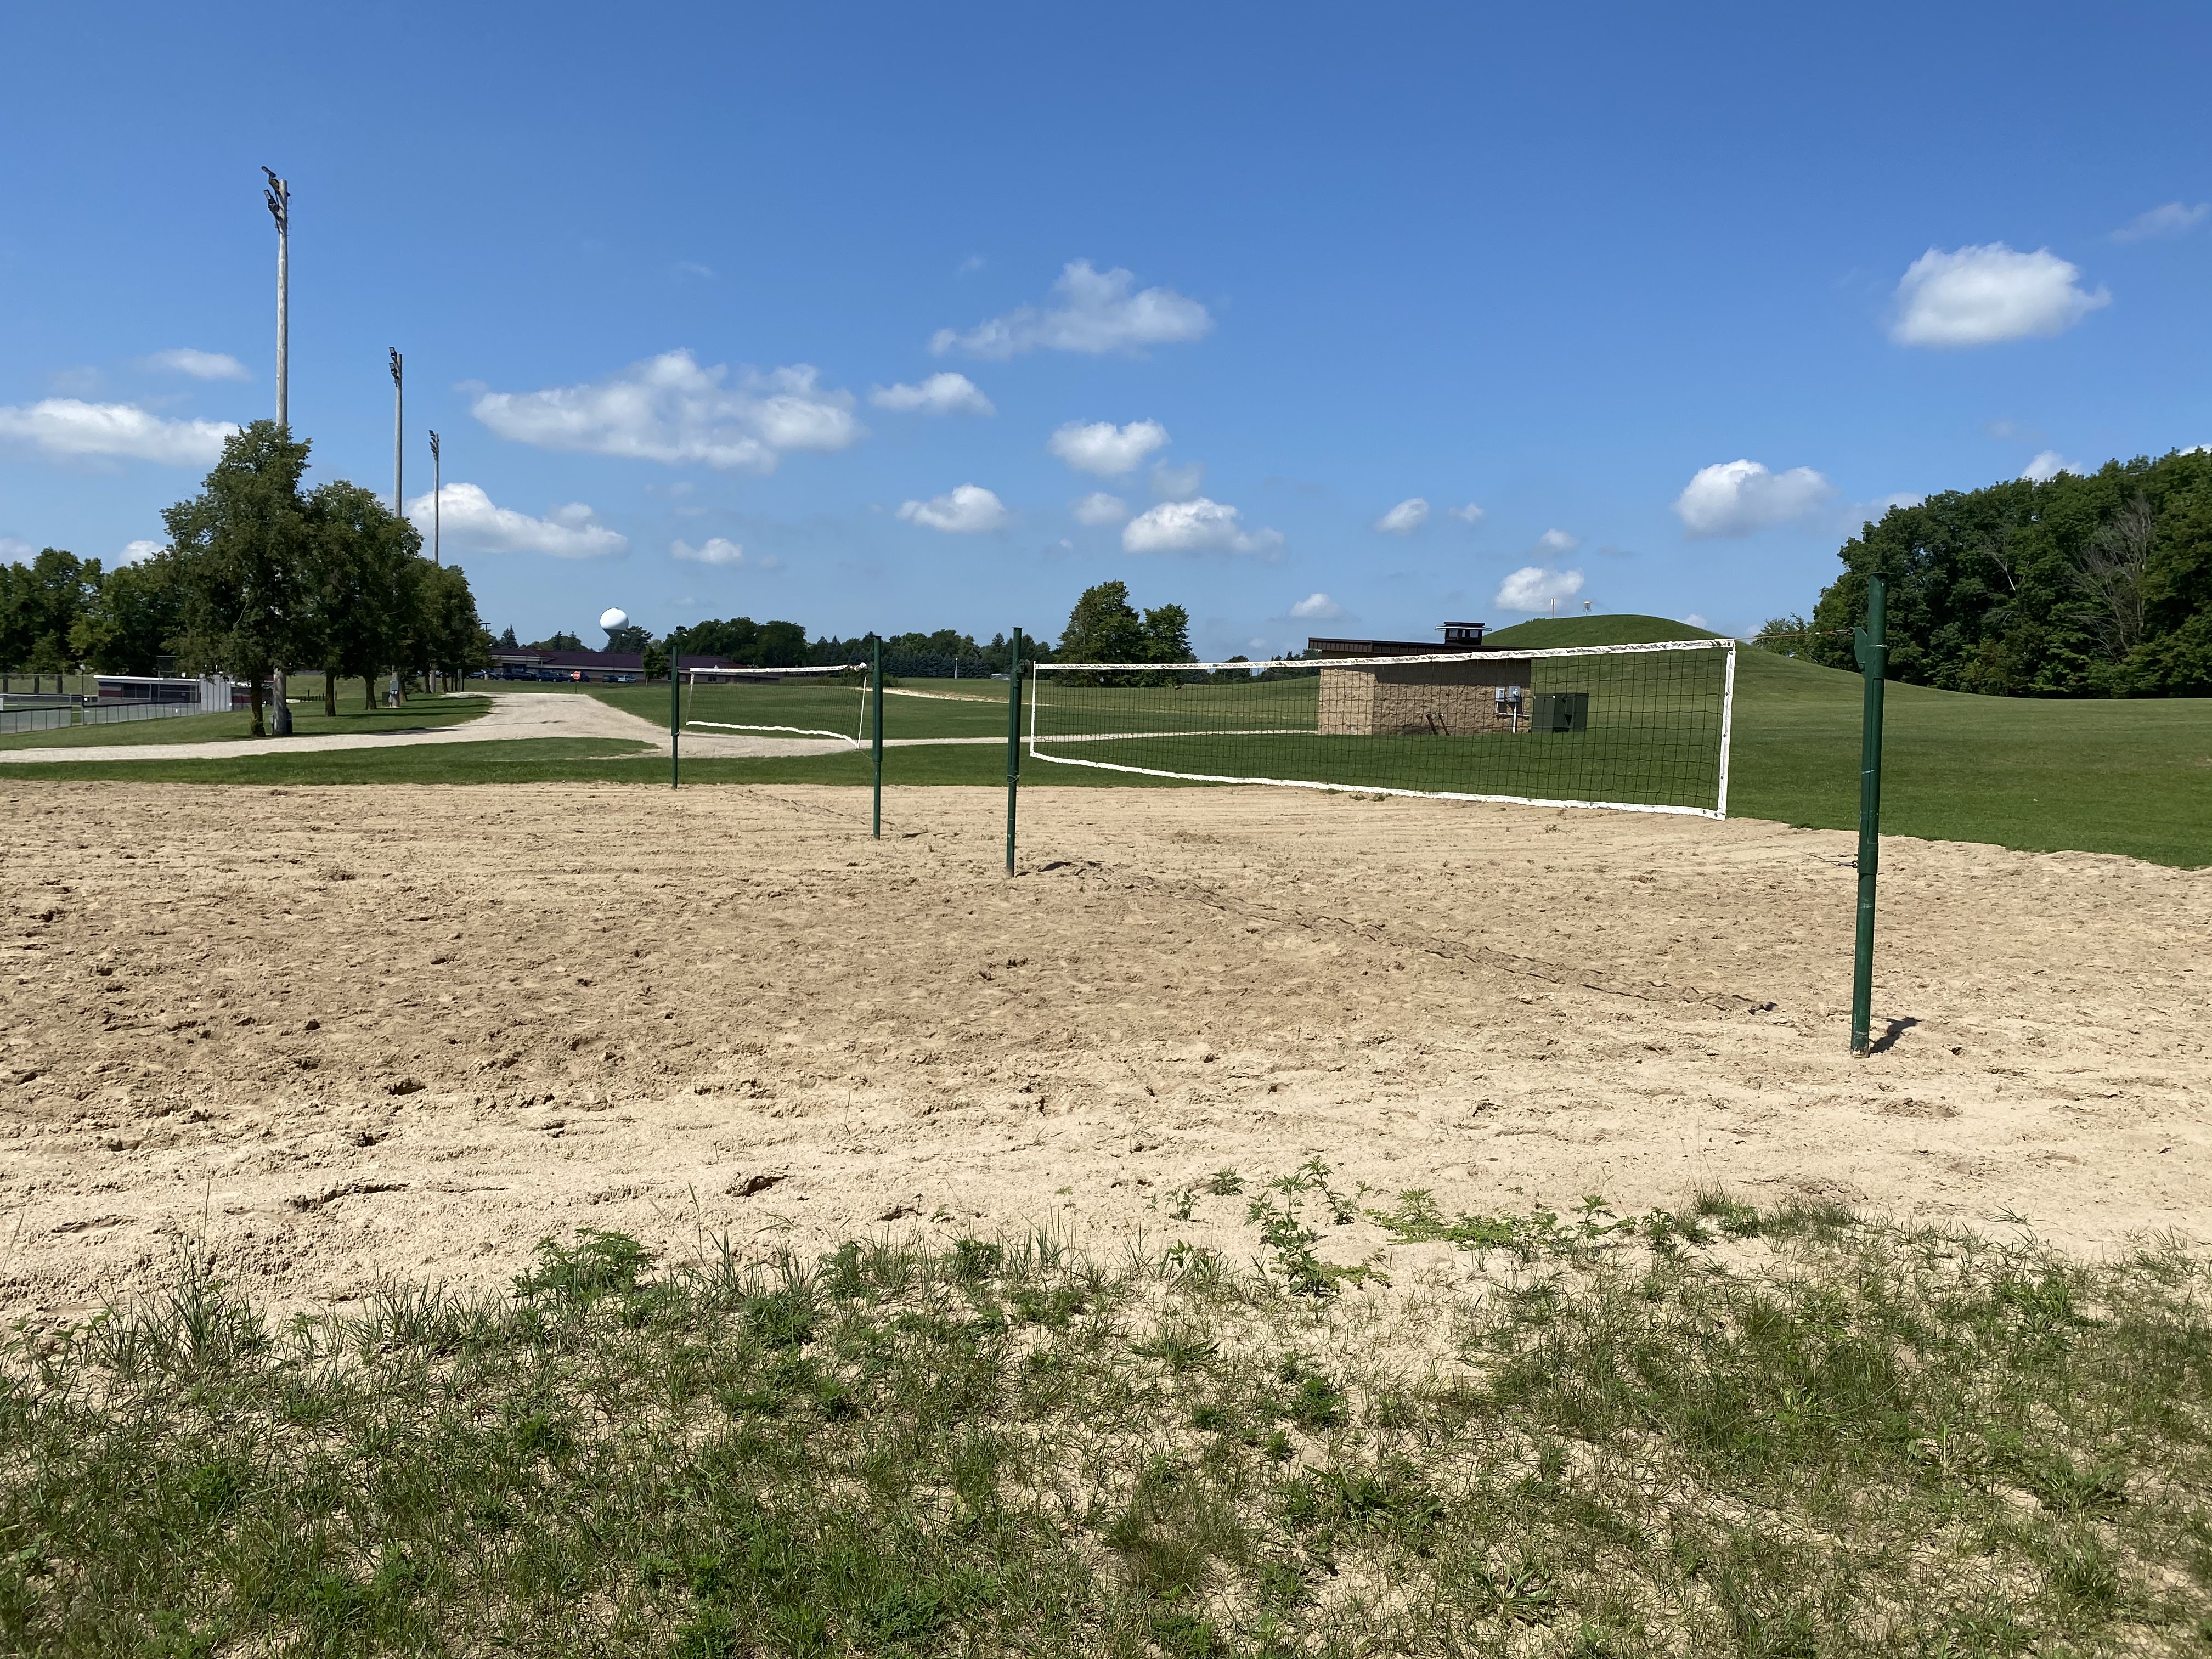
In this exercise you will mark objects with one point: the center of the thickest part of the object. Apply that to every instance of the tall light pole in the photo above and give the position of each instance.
(398, 433)
(278, 194)
(437, 489)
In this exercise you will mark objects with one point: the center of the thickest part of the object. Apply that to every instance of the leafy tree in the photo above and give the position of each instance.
(137, 614)
(506, 642)
(1104, 627)
(243, 551)
(630, 636)
(361, 586)
(558, 642)
(1167, 635)
(41, 604)
(454, 641)
(2095, 586)
(1786, 636)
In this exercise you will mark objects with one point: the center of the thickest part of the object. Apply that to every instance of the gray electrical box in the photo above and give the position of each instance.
(1558, 711)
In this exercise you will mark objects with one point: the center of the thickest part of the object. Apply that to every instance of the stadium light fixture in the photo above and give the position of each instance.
(277, 193)
(437, 489)
(398, 433)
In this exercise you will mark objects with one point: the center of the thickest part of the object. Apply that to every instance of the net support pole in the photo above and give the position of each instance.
(675, 710)
(1873, 651)
(876, 724)
(1013, 740)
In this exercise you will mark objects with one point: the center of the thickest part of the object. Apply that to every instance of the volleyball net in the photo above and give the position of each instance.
(806, 702)
(1636, 727)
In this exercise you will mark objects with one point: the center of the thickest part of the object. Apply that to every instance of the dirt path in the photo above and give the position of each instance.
(345, 1035)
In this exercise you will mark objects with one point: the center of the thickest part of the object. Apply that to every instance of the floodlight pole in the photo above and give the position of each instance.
(398, 432)
(1013, 740)
(1872, 645)
(437, 486)
(876, 724)
(278, 195)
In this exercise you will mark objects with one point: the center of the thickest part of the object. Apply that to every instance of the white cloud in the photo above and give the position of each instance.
(1095, 311)
(1469, 514)
(1697, 621)
(13, 551)
(691, 268)
(1099, 507)
(2172, 219)
(1178, 484)
(671, 409)
(1558, 541)
(467, 518)
(1405, 518)
(2047, 465)
(940, 394)
(1317, 607)
(1194, 528)
(66, 427)
(1106, 449)
(962, 511)
(1736, 498)
(200, 365)
(1984, 293)
(716, 549)
(1531, 587)
(139, 551)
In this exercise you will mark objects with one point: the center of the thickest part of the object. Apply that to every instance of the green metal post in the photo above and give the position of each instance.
(675, 710)
(876, 722)
(1873, 650)
(1013, 738)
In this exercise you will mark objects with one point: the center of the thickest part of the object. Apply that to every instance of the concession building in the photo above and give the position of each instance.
(1477, 689)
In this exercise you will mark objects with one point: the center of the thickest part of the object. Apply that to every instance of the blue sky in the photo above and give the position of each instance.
(682, 289)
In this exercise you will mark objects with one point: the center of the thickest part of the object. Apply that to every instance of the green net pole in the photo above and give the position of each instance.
(675, 710)
(876, 721)
(1873, 651)
(1013, 738)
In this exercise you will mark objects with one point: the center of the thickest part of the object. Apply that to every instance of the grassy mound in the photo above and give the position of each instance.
(1556, 633)
(1710, 1431)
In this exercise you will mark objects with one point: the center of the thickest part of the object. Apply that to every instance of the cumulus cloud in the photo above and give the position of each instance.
(1317, 607)
(960, 511)
(715, 549)
(1404, 519)
(139, 551)
(1178, 484)
(467, 518)
(67, 427)
(1196, 526)
(1558, 541)
(1105, 449)
(672, 408)
(1737, 498)
(1533, 587)
(940, 394)
(200, 365)
(1982, 294)
(1469, 514)
(1092, 310)
(2047, 465)
(1099, 507)
(2175, 219)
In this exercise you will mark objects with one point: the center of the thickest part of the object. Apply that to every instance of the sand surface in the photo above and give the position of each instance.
(339, 1036)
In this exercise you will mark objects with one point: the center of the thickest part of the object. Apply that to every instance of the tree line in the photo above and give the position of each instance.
(258, 576)
(2096, 586)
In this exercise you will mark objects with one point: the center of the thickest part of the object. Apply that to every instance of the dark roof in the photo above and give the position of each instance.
(1394, 648)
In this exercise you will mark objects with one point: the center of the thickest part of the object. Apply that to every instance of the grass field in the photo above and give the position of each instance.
(1707, 1431)
(2132, 777)
(308, 720)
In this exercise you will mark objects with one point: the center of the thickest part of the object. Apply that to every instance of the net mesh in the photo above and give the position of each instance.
(1643, 728)
(807, 703)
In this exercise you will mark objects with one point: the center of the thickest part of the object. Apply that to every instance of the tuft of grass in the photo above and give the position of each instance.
(1820, 1440)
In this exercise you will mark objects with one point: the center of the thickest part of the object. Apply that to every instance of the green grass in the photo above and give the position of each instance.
(1552, 634)
(1720, 1431)
(2132, 777)
(308, 720)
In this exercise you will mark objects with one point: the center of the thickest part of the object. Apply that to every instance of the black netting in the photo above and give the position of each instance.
(1637, 726)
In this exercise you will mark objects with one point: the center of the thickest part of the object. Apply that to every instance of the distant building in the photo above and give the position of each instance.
(1484, 693)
